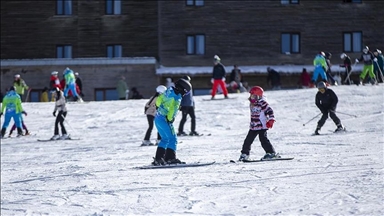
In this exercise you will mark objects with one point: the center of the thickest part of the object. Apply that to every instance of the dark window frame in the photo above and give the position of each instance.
(194, 3)
(103, 90)
(353, 1)
(351, 34)
(291, 42)
(290, 2)
(195, 44)
(63, 46)
(114, 50)
(64, 10)
(113, 12)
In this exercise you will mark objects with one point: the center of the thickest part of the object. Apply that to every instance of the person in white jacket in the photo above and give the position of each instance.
(150, 111)
(60, 107)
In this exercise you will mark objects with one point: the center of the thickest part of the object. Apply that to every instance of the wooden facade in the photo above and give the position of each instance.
(241, 32)
(249, 32)
(32, 30)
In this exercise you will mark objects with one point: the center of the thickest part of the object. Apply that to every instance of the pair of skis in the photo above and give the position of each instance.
(199, 164)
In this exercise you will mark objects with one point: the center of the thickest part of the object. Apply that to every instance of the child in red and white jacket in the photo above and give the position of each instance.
(262, 119)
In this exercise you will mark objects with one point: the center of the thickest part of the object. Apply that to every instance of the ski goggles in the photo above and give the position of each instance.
(322, 90)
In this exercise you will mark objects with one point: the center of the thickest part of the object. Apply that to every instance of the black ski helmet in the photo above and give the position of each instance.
(186, 77)
(321, 85)
(182, 87)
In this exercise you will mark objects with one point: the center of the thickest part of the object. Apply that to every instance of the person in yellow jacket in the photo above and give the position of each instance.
(20, 86)
(44, 95)
(12, 107)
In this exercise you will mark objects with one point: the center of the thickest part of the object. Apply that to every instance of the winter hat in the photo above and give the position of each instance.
(216, 58)
(17, 76)
(54, 73)
(76, 74)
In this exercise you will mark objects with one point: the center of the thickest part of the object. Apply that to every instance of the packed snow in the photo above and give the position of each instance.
(332, 174)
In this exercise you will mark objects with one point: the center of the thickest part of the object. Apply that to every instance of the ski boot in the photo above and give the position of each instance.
(55, 137)
(19, 132)
(182, 134)
(194, 133)
(146, 143)
(3, 132)
(158, 160)
(270, 156)
(65, 137)
(10, 133)
(340, 128)
(317, 130)
(27, 133)
(170, 157)
(244, 157)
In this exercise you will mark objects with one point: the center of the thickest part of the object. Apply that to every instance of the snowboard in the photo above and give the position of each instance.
(49, 140)
(168, 166)
(259, 160)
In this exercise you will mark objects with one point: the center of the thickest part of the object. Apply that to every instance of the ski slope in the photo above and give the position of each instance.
(332, 174)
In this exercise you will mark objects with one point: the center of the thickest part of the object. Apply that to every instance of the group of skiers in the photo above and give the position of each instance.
(12, 103)
(373, 66)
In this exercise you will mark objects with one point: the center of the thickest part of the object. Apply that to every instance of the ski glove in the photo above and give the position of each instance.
(170, 121)
(54, 114)
(270, 123)
(357, 61)
(375, 59)
(212, 80)
(223, 79)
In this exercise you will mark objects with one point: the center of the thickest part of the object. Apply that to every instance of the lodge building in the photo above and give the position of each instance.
(147, 41)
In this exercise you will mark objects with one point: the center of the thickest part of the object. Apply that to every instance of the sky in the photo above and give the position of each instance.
(332, 174)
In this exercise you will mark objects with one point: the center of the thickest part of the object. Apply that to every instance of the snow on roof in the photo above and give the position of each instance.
(77, 61)
(248, 69)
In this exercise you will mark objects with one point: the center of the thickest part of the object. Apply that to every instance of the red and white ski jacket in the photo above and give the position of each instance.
(261, 113)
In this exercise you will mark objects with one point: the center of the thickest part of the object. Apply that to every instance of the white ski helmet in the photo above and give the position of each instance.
(366, 49)
(343, 55)
(161, 89)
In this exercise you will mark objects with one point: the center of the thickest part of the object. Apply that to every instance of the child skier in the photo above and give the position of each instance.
(188, 108)
(326, 101)
(262, 118)
(12, 107)
(60, 105)
(167, 106)
(150, 111)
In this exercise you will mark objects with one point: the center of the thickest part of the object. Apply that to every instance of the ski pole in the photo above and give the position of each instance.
(345, 114)
(311, 119)
(350, 72)
(67, 123)
(380, 72)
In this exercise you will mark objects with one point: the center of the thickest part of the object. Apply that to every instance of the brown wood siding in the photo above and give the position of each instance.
(30, 29)
(248, 32)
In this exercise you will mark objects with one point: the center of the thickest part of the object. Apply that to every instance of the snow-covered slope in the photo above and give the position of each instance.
(332, 174)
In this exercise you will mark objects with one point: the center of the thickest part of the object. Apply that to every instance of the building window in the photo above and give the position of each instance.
(290, 2)
(103, 94)
(352, 41)
(353, 1)
(64, 7)
(194, 2)
(290, 43)
(195, 44)
(114, 51)
(112, 7)
(64, 51)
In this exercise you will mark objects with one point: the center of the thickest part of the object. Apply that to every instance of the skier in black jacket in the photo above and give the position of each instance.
(326, 101)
